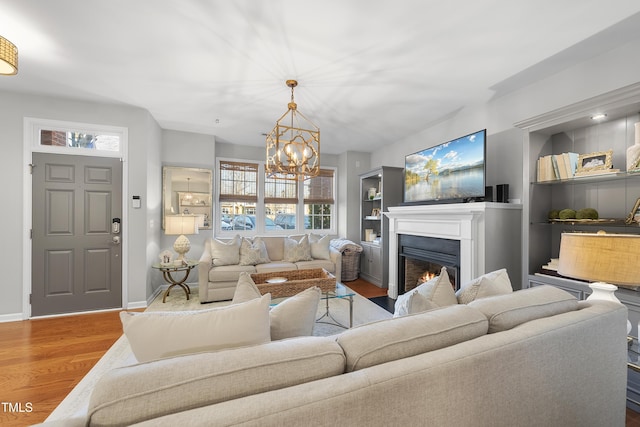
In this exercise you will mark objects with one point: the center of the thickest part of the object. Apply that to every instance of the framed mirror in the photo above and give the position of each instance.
(187, 191)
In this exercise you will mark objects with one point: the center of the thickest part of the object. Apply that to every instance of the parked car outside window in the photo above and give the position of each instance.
(243, 222)
(286, 221)
(248, 222)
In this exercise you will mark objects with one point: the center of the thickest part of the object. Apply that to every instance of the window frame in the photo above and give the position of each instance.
(260, 209)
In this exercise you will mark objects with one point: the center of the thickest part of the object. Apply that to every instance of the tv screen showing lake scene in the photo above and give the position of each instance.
(450, 171)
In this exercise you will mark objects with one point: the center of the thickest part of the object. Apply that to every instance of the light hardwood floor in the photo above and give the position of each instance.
(42, 360)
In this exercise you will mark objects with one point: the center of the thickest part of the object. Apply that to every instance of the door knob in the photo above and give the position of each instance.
(115, 240)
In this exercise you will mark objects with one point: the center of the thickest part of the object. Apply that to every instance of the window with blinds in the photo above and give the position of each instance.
(318, 201)
(249, 200)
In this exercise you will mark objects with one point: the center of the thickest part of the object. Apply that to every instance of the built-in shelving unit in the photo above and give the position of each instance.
(379, 189)
(613, 195)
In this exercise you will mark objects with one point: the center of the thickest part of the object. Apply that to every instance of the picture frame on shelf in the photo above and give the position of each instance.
(634, 215)
(595, 163)
(375, 212)
(166, 258)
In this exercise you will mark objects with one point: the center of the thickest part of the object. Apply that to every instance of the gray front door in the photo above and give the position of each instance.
(76, 251)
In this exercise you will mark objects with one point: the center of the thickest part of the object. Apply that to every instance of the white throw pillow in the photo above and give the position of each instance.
(246, 289)
(225, 253)
(488, 285)
(436, 292)
(293, 317)
(158, 334)
(319, 246)
(253, 252)
(296, 315)
(295, 251)
(412, 302)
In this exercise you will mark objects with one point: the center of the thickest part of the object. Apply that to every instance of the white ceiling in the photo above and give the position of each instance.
(370, 72)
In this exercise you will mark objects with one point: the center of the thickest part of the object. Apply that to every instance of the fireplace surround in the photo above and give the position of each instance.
(487, 233)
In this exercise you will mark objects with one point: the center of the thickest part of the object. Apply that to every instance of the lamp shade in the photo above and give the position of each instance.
(181, 224)
(8, 57)
(602, 257)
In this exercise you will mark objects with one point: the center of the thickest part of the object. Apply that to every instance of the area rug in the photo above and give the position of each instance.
(77, 401)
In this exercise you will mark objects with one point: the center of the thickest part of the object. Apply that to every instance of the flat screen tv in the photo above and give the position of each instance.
(451, 172)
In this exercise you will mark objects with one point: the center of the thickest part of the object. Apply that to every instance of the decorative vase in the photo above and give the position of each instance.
(633, 152)
(372, 192)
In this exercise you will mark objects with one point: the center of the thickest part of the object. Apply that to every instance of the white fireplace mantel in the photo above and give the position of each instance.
(470, 224)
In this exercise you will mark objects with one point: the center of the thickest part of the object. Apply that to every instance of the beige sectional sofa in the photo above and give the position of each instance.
(536, 357)
(222, 262)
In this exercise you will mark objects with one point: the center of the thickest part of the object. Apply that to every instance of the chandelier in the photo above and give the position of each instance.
(293, 146)
(188, 196)
(8, 57)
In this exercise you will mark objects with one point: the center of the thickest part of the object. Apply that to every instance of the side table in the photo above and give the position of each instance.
(169, 270)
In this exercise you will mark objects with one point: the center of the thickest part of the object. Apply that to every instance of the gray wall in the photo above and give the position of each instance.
(147, 141)
(144, 147)
(191, 150)
(352, 165)
(603, 73)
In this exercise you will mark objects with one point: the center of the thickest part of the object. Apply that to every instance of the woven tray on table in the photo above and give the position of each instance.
(296, 281)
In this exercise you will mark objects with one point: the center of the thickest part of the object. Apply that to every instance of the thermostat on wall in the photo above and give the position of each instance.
(136, 203)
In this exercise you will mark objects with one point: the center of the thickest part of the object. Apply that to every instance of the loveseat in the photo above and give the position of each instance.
(224, 259)
(536, 357)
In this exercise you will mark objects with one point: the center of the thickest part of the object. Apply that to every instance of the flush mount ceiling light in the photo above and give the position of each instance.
(8, 57)
(598, 116)
(293, 146)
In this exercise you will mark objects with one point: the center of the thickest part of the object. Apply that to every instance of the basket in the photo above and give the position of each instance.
(297, 281)
(350, 265)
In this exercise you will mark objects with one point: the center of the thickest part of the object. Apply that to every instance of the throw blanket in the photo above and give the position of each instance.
(344, 245)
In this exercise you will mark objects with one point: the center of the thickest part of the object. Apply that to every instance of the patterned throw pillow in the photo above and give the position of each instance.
(225, 253)
(295, 251)
(253, 252)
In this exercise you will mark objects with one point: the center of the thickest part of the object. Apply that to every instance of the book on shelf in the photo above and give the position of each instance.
(552, 264)
(553, 167)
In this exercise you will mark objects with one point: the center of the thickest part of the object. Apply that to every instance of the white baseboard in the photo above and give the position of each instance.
(11, 317)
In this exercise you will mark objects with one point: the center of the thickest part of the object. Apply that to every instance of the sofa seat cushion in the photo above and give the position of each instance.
(275, 266)
(132, 394)
(510, 310)
(229, 273)
(159, 334)
(316, 263)
(400, 337)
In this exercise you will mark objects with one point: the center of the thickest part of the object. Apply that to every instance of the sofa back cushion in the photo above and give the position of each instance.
(510, 310)
(275, 247)
(132, 394)
(401, 337)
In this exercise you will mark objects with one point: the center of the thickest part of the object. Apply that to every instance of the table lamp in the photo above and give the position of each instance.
(606, 259)
(181, 225)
